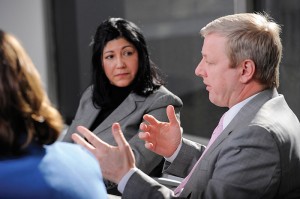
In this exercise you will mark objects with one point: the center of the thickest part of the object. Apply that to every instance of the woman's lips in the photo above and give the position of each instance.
(121, 74)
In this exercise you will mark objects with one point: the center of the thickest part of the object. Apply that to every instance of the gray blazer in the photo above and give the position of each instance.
(256, 156)
(130, 115)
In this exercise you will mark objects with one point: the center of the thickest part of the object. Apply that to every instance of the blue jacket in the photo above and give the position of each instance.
(60, 170)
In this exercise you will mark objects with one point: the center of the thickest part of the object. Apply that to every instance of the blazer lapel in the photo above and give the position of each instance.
(90, 113)
(122, 111)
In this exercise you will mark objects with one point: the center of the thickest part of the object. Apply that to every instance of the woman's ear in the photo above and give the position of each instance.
(247, 70)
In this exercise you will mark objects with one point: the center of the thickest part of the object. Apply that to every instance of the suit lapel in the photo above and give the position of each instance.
(243, 117)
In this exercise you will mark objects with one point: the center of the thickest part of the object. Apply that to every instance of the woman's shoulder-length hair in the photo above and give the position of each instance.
(148, 77)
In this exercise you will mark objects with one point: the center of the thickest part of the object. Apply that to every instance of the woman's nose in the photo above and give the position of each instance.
(120, 63)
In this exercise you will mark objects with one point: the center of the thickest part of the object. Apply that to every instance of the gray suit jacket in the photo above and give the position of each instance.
(130, 115)
(256, 156)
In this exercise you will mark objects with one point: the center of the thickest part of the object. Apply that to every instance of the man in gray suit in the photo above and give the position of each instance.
(257, 154)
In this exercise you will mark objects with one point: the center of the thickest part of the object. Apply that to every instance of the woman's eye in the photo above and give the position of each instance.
(128, 53)
(109, 57)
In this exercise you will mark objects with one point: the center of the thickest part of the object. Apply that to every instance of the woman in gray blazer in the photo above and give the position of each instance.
(125, 86)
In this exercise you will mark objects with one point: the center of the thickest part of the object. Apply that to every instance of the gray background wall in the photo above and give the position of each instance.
(28, 21)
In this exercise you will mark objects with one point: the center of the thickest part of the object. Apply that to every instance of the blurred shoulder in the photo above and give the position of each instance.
(68, 152)
(72, 171)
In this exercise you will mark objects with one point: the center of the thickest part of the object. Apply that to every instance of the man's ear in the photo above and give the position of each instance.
(247, 70)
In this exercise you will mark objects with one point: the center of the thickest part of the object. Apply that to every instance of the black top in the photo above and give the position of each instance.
(117, 96)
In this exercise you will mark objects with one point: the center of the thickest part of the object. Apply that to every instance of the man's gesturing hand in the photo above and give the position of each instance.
(162, 138)
(115, 161)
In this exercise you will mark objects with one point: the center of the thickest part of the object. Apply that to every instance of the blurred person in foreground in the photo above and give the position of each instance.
(32, 164)
(257, 152)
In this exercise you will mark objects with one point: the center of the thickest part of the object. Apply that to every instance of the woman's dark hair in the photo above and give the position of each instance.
(26, 114)
(148, 77)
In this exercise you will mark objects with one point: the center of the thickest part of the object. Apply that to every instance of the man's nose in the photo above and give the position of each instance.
(199, 69)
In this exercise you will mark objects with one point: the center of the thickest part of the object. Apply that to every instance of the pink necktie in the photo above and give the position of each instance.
(218, 130)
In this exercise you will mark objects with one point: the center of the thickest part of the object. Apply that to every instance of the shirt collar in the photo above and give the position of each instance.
(231, 113)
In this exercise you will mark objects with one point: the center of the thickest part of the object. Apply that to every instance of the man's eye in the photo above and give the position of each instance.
(208, 62)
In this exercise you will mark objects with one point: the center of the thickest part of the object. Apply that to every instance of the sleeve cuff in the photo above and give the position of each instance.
(124, 180)
(172, 157)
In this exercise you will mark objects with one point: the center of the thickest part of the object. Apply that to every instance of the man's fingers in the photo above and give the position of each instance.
(118, 135)
(149, 146)
(144, 136)
(91, 137)
(144, 127)
(150, 119)
(79, 140)
(171, 114)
